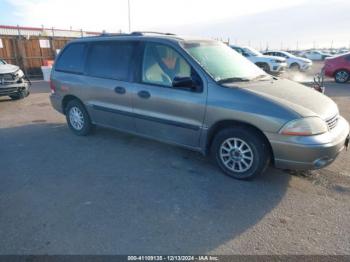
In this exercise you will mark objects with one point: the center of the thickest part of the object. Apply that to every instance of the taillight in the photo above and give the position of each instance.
(53, 87)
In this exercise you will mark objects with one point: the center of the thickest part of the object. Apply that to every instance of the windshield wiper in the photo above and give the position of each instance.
(232, 79)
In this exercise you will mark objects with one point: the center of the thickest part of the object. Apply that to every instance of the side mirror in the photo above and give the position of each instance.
(185, 83)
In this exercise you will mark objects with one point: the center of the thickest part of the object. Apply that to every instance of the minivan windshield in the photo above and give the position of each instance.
(222, 63)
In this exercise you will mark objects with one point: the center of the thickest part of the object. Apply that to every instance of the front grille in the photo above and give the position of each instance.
(332, 122)
(8, 79)
(5, 91)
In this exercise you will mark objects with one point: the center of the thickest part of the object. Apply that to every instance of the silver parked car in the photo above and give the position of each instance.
(199, 94)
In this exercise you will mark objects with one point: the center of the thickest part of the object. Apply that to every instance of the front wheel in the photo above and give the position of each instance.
(240, 152)
(264, 67)
(341, 76)
(295, 68)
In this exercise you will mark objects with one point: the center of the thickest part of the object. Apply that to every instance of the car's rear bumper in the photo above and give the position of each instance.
(10, 89)
(309, 152)
(56, 102)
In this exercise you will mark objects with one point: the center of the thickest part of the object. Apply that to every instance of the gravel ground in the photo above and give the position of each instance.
(113, 193)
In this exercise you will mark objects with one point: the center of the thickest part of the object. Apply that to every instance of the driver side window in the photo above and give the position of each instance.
(161, 64)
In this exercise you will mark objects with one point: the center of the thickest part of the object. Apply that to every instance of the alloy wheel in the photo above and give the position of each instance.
(236, 155)
(342, 76)
(76, 118)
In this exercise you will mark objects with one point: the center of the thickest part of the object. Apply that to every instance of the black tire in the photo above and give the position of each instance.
(259, 152)
(264, 67)
(341, 76)
(294, 67)
(85, 127)
(20, 95)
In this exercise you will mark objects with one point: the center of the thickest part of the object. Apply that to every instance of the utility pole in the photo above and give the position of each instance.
(129, 16)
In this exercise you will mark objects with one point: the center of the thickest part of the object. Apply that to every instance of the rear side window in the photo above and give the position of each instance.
(72, 59)
(110, 60)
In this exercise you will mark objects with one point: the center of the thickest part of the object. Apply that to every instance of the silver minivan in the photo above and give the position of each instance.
(199, 94)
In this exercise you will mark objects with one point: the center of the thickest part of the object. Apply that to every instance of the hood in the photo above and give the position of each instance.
(303, 100)
(269, 57)
(337, 56)
(7, 69)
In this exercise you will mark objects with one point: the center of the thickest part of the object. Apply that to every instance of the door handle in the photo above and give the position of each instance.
(144, 94)
(120, 90)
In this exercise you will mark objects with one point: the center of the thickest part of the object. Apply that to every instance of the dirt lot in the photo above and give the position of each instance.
(113, 193)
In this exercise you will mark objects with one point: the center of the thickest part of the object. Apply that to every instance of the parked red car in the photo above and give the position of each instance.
(338, 67)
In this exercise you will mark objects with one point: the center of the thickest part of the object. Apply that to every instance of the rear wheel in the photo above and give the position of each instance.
(77, 118)
(240, 152)
(341, 76)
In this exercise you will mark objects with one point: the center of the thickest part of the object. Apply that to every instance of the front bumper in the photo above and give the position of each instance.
(9, 89)
(328, 70)
(278, 67)
(305, 66)
(309, 152)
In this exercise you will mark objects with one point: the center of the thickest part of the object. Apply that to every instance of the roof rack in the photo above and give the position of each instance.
(119, 34)
(150, 32)
(137, 33)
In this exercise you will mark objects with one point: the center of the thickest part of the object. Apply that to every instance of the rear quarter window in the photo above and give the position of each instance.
(72, 59)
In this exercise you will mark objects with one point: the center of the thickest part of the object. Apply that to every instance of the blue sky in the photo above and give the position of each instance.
(6, 13)
(278, 23)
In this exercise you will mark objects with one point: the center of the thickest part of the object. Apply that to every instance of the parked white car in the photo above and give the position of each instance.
(315, 55)
(294, 62)
(13, 82)
(270, 64)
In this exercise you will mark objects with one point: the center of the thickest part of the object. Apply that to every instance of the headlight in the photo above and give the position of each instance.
(304, 127)
(19, 73)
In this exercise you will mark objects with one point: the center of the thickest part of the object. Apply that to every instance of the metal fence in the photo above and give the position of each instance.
(30, 47)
